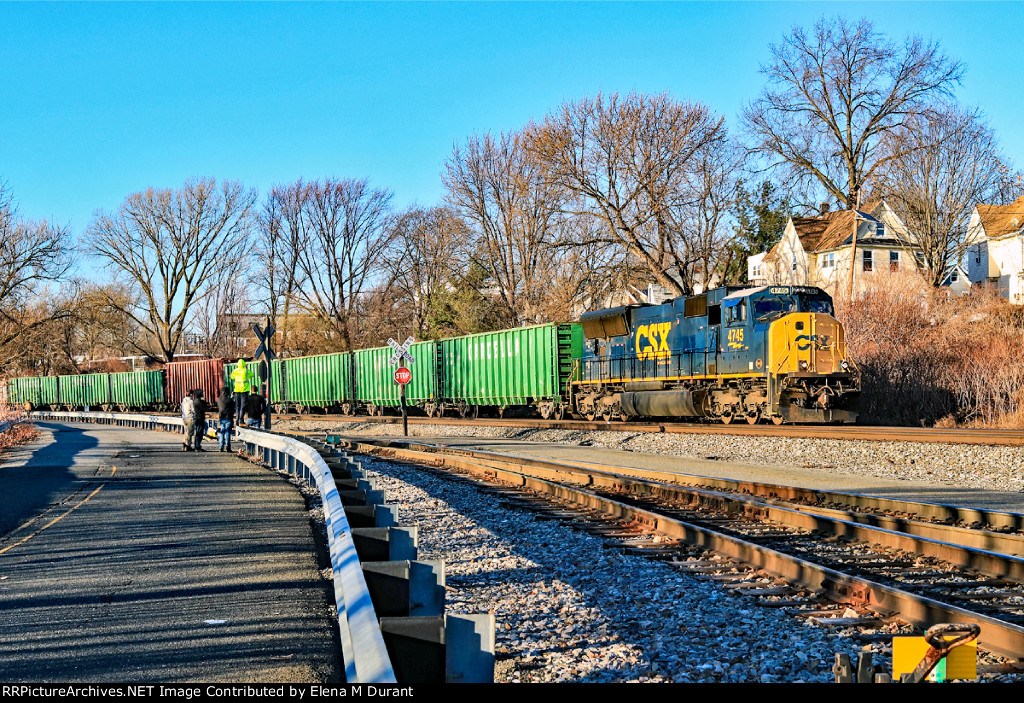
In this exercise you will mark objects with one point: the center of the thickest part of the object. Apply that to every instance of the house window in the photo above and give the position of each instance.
(879, 229)
(954, 276)
(920, 260)
(868, 261)
(756, 272)
(828, 260)
(894, 261)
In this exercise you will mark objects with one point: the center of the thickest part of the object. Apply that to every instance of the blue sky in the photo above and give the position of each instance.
(101, 100)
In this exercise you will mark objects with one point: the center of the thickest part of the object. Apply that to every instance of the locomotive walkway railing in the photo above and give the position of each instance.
(365, 656)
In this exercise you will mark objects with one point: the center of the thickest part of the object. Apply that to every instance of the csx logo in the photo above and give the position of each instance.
(652, 341)
(820, 341)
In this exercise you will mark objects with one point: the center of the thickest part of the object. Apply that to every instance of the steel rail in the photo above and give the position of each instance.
(998, 636)
(365, 657)
(781, 496)
(848, 432)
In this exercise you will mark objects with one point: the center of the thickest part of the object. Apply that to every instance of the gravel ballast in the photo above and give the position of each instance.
(567, 608)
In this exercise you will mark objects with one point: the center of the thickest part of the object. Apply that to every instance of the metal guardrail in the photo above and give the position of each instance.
(365, 657)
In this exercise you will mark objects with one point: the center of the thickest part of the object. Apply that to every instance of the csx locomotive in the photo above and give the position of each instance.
(773, 352)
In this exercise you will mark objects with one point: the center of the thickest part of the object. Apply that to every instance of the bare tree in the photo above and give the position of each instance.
(284, 234)
(33, 256)
(495, 185)
(428, 248)
(833, 95)
(948, 162)
(172, 245)
(349, 229)
(630, 161)
(219, 320)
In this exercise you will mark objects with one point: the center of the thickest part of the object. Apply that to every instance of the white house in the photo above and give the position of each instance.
(816, 251)
(996, 253)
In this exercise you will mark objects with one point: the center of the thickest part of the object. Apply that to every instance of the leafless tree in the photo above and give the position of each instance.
(33, 257)
(948, 162)
(630, 161)
(349, 230)
(283, 235)
(428, 248)
(833, 95)
(172, 245)
(219, 320)
(497, 187)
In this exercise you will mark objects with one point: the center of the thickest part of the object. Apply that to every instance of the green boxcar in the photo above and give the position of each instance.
(321, 381)
(375, 377)
(277, 381)
(525, 366)
(84, 390)
(138, 389)
(41, 391)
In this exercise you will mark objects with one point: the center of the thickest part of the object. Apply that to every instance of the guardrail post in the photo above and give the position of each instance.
(405, 588)
(453, 648)
(372, 515)
(386, 543)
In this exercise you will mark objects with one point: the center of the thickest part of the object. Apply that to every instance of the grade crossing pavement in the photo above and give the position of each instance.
(124, 559)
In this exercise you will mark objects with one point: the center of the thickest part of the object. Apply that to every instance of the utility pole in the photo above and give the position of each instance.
(853, 252)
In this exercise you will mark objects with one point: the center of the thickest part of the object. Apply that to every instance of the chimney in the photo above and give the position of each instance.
(823, 207)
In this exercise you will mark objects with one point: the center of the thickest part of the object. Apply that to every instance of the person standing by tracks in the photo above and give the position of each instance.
(201, 406)
(255, 406)
(188, 416)
(226, 415)
(240, 379)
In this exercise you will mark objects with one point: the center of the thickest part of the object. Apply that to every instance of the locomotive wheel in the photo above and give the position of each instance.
(726, 418)
(607, 415)
(778, 419)
(590, 414)
(623, 416)
(752, 419)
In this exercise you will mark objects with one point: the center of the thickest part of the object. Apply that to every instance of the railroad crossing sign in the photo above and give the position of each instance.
(401, 351)
(265, 338)
(402, 375)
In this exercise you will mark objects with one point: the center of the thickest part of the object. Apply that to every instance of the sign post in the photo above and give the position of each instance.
(402, 375)
(266, 336)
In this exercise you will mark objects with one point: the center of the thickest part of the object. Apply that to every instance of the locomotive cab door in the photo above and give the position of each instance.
(714, 339)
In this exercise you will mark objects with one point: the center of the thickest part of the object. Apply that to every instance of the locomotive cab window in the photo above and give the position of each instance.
(737, 314)
(821, 305)
(773, 307)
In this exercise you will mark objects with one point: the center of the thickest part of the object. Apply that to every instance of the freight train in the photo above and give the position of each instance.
(771, 353)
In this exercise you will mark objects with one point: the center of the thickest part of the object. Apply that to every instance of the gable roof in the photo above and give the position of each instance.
(998, 220)
(822, 232)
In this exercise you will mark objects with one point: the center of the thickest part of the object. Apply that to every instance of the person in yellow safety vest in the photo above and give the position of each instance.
(240, 379)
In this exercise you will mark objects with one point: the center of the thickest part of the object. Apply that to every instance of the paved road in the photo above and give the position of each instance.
(817, 478)
(124, 559)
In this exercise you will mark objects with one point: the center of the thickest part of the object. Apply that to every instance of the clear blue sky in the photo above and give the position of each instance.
(101, 100)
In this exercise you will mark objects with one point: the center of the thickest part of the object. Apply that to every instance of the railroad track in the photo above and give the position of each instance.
(850, 432)
(843, 559)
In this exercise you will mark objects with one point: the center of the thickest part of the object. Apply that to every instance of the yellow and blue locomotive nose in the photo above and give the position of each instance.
(807, 343)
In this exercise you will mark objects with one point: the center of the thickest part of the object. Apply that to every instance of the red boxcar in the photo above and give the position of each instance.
(183, 376)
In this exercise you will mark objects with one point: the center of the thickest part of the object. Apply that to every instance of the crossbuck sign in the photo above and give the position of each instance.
(401, 351)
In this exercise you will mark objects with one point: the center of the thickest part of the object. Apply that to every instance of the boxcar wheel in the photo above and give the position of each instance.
(559, 413)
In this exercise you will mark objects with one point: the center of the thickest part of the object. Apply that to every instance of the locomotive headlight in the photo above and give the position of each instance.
(846, 365)
(803, 365)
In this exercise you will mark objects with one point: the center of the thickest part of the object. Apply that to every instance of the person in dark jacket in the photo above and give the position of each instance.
(201, 407)
(226, 415)
(254, 409)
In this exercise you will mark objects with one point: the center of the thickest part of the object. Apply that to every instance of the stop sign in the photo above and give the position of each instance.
(402, 375)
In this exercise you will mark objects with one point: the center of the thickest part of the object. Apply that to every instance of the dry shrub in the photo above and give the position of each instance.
(16, 434)
(929, 358)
